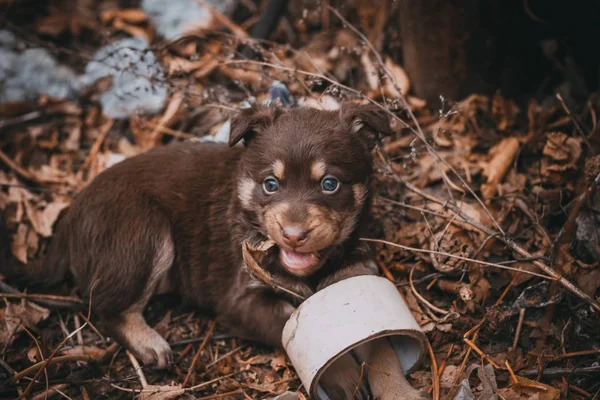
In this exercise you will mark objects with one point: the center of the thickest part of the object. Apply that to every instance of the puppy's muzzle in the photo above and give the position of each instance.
(294, 235)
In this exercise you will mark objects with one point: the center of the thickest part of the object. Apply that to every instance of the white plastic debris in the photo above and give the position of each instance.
(138, 79)
(343, 316)
(285, 396)
(27, 74)
(175, 18)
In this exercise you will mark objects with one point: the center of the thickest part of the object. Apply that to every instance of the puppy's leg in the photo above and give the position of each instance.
(255, 314)
(130, 328)
(384, 372)
(343, 380)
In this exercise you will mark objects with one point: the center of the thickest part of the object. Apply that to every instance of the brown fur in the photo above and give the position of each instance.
(175, 218)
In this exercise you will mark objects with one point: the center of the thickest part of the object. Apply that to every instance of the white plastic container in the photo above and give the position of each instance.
(343, 316)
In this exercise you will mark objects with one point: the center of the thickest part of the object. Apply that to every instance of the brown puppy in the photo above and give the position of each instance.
(174, 219)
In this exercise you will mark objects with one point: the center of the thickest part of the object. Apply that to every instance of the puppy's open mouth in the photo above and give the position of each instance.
(296, 261)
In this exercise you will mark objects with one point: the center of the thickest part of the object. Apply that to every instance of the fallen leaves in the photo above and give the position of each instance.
(502, 156)
(16, 317)
(561, 155)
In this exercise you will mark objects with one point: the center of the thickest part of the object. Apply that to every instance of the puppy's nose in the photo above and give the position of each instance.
(294, 235)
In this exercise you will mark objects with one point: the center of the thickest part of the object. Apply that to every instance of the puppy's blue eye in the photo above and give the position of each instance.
(270, 185)
(329, 184)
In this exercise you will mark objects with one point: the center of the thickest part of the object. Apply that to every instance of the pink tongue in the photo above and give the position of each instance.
(295, 260)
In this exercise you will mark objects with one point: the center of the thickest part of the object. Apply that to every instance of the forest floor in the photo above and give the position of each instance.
(488, 213)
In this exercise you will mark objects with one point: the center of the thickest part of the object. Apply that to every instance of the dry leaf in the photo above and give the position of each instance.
(561, 154)
(167, 392)
(503, 155)
(400, 80)
(16, 317)
(43, 221)
(19, 243)
(370, 71)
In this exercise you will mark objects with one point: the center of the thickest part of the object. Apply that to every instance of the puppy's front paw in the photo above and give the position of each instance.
(410, 394)
(343, 380)
(154, 351)
(419, 395)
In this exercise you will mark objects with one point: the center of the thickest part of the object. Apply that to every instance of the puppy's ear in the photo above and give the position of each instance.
(250, 122)
(368, 121)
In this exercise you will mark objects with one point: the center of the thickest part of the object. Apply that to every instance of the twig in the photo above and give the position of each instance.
(96, 147)
(553, 372)
(463, 363)
(435, 377)
(220, 395)
(518, 330)
(480, 353)
(190, 389)
(185, 342)
(138, 369)
(77, 326)
(386, 271)
(31, 296)
(211, 327)
(224, 356)
(43, 364)
(575, 122)
(557, 357)
(51, 391)
(580, 391)
(39, 348)
(488, 264)
(423, 300)
(513, 377)
(22, 171)
(169, 131)
(360, 378)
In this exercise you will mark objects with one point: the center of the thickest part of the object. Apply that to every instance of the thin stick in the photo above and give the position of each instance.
(423, 300)
(24, 173)
(96, 146)
(575, 122)
(42, 364)
(553, 372)
(580, 391)
(435, 377)
(224, 356)
(220, 396)
(49, 297)
(190, 389)
(41, 355)
(211, 327)
(51, 391)
(480, 352)
(488, 264)
(77, 326)
(511, 372)
(463, 363)
(443, 365)
(360, 378)
(519, 327)
(590, 352)
(138, 369)
(386, 271)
